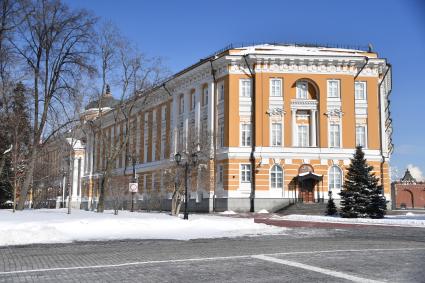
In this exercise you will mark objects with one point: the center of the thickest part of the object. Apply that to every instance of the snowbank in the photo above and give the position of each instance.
(410, 219)
(56, 226)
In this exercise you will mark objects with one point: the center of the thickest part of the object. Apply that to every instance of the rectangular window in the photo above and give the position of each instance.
(181, 104)
(193, 100)
(245, 134)
(334, 135)
(302, 88)
(360, 90)
(361, 135)
(245, 88)
(220, 174)
(180, 139)
(245, 173)
(276, 134)
(221, 134)
(303, 136)
(163, 130)
(145, 137)
(205, 96)
(333, 89)
(275, 87)
(221, 92)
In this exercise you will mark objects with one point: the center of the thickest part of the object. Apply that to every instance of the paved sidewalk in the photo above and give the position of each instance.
(301, 255)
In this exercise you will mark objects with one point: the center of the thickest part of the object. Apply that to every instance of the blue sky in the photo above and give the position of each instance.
(185, 31)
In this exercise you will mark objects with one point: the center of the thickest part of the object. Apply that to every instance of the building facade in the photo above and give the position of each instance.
(407, 193)
(283, 122)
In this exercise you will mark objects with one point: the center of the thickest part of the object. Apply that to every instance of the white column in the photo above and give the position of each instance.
(74, 179)
(198, 97)
(313, 128)
(294, 124)
(186, 118)
(136, 132)
(174, 117)
(211, 114)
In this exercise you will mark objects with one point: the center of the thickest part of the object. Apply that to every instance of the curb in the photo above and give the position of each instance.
(325, 225)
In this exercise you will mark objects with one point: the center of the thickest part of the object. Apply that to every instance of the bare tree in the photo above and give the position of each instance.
(56, 44)
(10, 17)
(198, 143)
(128, 72)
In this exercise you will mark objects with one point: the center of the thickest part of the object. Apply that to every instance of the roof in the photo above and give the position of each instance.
(309, 175)
(293, 49)
(408, 178)
(106, 100)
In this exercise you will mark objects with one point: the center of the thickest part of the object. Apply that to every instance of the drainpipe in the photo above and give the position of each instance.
(361, 69)
(166, 89)
(252, 155)
(380, 126)
(214, 133)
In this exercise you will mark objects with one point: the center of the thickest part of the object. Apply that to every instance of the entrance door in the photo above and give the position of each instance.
(307, 191)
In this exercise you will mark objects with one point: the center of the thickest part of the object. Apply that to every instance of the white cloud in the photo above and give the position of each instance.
(416, 172)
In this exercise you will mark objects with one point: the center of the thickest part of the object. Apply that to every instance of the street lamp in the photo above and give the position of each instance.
(62, 173)
(133, 160)
(186, 165)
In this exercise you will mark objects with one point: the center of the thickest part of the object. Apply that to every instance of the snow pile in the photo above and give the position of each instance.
(228, 212)
(55, 226)
(263, 211)
(416, 220)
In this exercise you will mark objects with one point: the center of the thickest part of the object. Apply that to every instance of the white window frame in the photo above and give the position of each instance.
(145, 138)
(193, 101)
(221, 133)
(338, 90)
(273, 91)
(220, 174)
(274, 183)
(307, 136)
(205, 96)
(332, 178)
(364, 95)
(331, 141)
(154, 135)
(276, 137)
(245, 173)
(246, 140)
(163, 129)
(364, 145)
(181, 104)
(302, 93)
(243, 91)
(221, 91)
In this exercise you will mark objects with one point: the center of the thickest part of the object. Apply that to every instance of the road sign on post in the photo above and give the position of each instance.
(133, 187)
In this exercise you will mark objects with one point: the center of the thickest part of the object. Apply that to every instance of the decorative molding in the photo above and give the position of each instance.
(275, 111)
(308, 104)
(334, 113)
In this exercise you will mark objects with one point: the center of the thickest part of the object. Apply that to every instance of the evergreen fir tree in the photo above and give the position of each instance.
(358, 187)
(331, 207)
(377, 204)
(5, 182)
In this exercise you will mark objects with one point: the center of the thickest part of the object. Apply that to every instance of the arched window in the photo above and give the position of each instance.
(335, 178)
(276, 177)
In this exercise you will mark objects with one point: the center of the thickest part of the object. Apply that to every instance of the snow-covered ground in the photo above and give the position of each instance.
(409, 219)
(56, 226)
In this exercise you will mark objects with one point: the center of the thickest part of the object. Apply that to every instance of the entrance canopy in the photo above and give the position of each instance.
(309, 176)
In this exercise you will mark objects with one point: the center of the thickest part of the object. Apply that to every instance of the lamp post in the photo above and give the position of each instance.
(186, 166)
(133, 160)
(62, 171)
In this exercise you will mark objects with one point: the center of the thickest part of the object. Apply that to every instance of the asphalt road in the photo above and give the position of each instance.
(301, 255)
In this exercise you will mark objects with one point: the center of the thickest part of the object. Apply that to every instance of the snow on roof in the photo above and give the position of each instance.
(300, 50)
(306, 173)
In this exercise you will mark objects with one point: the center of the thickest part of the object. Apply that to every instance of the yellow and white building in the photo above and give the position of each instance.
(285, 120)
